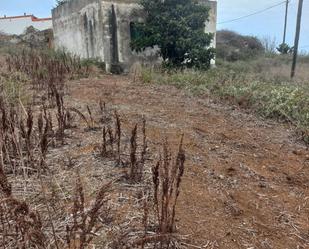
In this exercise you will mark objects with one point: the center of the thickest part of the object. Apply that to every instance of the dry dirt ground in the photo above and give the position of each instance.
(246, 180)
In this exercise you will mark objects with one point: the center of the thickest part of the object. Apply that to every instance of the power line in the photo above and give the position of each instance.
(254, 13)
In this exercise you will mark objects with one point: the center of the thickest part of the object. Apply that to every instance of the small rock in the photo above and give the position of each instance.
(262, 185)
(297, 152)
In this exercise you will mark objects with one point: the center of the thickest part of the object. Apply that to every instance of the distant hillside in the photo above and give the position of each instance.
(232, 46)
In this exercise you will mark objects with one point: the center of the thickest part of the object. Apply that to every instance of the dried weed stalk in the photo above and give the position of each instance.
(136, 172)
(118, 136)
(167, 175)
(19, 226)
(87, 220)
(90, 124)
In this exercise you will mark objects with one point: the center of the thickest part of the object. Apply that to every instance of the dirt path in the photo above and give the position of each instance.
(246, 181)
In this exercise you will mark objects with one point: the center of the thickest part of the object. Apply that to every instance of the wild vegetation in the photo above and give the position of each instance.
(232, 46)
(41, 207)
(250, 78)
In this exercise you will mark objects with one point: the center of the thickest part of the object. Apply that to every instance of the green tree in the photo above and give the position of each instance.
(177, 27)
(60, 2)
(285, 49)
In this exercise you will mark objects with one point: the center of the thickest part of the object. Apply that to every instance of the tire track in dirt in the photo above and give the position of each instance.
(246, 182)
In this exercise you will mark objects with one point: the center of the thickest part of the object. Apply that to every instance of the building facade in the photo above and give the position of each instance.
(16, 25)
(102, 29)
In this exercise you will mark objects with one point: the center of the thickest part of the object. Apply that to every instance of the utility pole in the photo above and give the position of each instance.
(285, 20)
(298, 25)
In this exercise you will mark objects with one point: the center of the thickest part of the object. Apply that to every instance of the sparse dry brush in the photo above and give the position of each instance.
(22, 228)
(167, 177)
(85, 223)
(158, 226)
(135, 157)
(19, 226)
(32, 213)
(24, 145)
(26, 133)
(47, 71)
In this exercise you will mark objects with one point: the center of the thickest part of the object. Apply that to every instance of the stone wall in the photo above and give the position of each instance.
(117, 36)
(211, 25)
(78, 28)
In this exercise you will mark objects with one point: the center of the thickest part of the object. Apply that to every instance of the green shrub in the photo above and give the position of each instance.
(285, 49)
(177, 28)
(232, 46)
(146, 75)
(93, 62)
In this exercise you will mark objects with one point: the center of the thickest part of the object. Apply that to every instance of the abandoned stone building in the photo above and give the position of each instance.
(102, 29)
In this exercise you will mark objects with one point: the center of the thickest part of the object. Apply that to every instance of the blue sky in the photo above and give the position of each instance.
(267, 24)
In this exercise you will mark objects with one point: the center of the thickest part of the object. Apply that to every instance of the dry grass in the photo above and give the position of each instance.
(40, 207)
(20, 227)
(262, 85)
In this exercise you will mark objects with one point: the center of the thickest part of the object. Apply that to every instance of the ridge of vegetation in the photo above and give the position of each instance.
(261, 84)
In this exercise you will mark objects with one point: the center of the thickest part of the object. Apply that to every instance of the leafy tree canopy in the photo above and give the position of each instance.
(177, 27)
(285, 49)
(60, 2)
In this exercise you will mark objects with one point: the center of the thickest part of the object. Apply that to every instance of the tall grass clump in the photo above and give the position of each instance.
(12, 86)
